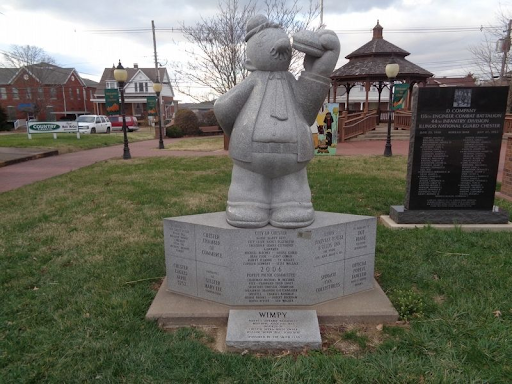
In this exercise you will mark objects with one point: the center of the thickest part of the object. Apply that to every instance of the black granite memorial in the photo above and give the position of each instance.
(454, 153)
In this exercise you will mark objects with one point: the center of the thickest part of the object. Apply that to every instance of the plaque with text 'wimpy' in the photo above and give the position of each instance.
(455, 148)
(209, 259)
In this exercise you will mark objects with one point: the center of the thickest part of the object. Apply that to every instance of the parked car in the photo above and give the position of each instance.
(117, 123)
(94, 124)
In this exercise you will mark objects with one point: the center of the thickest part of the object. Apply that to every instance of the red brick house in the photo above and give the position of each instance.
(46, 92)
(468, 81)
(139, 85)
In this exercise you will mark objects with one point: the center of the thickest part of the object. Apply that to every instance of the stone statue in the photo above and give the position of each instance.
(267, 117)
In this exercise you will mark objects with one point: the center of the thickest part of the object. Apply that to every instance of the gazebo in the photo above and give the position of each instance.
(367, 66)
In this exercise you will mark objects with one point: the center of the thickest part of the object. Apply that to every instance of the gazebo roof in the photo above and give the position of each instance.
(369, 62)
(375, 69)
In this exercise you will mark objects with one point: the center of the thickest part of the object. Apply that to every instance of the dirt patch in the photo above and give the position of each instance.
(352, 340)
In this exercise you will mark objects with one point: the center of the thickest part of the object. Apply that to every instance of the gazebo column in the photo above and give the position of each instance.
(334, 91)
(348, 87)
(380, 87)
(367, 89)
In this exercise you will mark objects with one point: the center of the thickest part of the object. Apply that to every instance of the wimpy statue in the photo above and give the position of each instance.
(267, 117)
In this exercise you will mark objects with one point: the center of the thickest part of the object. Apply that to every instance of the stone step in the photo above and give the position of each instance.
(381, 134)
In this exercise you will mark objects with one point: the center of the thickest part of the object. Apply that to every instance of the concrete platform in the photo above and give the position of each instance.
(390, 223)
(172, 309)
(10, 155)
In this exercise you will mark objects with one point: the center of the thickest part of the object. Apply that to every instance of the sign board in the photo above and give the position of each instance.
(151, 105)
(112, 101)
(455, 148)
(26, 107)
(52, 127)
(399, 96)
(327, 129)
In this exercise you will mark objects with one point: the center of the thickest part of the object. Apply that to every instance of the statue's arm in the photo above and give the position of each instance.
(310, 92)
(228, 106)
(313, 84)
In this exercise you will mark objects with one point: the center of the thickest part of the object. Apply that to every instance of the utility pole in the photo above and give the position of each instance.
(321, 13)
(506, 48)
(158, 100)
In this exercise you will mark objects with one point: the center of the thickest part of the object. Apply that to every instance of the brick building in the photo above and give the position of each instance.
(46, 92)
(138, 86)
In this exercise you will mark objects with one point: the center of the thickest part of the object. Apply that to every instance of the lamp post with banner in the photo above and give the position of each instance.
(391, 72)
(120, 74)
(157, 87)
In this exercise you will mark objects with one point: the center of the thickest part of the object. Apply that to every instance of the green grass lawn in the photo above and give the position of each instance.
(70, 244)
(205, 144)
(68, 142)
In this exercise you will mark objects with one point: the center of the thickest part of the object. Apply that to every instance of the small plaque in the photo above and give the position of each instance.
(272, 329)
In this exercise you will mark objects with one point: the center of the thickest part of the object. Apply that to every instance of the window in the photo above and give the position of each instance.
(40, 92)
(53, 93)
(141, 87)
(111, 85)
(70, 93)
(29, 93)
(15, 93)
(78, 93)
(3, 93)
(11, 113)
(49, 114)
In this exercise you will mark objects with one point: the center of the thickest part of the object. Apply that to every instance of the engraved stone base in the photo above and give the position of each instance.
(209, 259)
(400, 215)
(258, 330)
(174, 310)
(391, 224)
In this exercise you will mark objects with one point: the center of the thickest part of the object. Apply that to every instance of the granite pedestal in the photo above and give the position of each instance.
(400, 215)
(209, 259)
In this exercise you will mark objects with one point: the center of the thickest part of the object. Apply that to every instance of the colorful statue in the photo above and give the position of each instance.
(267, 117)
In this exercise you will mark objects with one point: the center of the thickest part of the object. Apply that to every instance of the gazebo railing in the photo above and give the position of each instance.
(508, 124)
(356, 124)
(403, 119)
(384, 116)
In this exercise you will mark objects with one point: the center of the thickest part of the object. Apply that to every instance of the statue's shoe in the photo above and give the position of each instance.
(292, 216)
(247, 215)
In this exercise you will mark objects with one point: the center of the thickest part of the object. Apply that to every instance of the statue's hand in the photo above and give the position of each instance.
(325, 64)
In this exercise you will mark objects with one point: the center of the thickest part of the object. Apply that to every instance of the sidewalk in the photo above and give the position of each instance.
(28, 172)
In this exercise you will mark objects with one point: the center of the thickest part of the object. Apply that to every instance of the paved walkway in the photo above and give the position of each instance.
(18, 175)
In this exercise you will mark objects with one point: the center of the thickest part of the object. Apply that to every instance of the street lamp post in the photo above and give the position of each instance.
(157, 87)
(120, 74)
(391, 72)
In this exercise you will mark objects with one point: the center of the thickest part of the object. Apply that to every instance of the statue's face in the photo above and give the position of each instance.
(270, 50)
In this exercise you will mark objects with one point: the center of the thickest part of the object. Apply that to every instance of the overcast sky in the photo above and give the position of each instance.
(79, 34)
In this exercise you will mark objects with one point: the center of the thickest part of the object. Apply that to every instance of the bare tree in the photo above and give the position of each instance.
(26, 55)
(217, 58)
(39, 64)
(488, 55)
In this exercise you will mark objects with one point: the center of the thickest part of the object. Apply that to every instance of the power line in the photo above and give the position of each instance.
(445, 29)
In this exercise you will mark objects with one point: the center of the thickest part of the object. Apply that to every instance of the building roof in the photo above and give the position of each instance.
(108, 75)
(50, 74)
(46, 73)
(204, 106)
(369, 61)
(6, 75)
(90, 83)
(467, 81)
